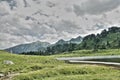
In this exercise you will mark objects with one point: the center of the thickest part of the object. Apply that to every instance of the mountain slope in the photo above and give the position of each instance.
(34, 47)
(106, 39)
(76, 40)
(41, 46)
(64, 46)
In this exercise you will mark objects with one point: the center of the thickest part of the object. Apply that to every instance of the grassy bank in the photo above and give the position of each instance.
(48, 68)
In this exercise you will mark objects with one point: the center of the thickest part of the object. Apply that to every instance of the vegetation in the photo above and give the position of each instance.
(107, 39)
(48, 68)
(59, 48)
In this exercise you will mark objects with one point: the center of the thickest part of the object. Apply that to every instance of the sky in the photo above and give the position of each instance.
(25, 21)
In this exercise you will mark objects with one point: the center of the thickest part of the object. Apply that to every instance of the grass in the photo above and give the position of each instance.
(80, 53)
(48, 68)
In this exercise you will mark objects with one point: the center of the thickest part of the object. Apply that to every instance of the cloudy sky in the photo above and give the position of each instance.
(24, 21)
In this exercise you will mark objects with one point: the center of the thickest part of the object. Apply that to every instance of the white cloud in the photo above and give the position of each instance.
(95, 7)
(51, 20)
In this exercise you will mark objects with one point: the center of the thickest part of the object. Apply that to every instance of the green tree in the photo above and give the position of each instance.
(108, 44)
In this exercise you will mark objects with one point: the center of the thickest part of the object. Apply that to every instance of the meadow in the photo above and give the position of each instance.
(29, 67)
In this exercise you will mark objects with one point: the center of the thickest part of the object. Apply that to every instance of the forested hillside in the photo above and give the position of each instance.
(107, 39)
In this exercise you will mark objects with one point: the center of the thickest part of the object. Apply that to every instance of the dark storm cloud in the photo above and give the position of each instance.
(96, 7)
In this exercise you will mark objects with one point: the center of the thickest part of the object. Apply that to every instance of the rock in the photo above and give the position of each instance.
(1, 75)
(8, 62)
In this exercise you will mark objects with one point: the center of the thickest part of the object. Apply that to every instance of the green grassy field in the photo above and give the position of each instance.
(28, 67)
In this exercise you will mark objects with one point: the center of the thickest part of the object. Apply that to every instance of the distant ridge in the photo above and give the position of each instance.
(31, 47)
(107, 39)
(76, 40)
(40, 46)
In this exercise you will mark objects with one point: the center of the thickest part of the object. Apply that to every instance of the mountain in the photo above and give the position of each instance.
(61, 41)
(31, 47)
(108, 38)
(64, 46)
(77, 40)
(40, 46)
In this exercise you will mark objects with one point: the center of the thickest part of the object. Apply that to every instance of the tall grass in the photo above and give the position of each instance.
(48, 68)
